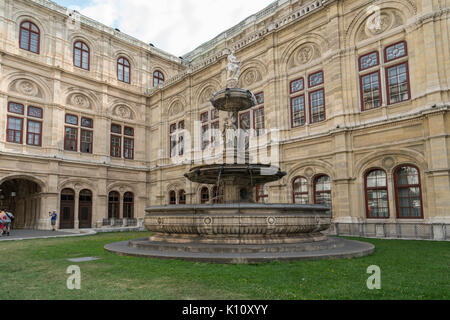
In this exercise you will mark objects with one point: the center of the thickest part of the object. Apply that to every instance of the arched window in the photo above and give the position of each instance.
(204, 195)
(113, 205)
(123, 70)
(158, 78)
(128, 205)
(408, 192)
(322, 190)
(81, 55)
(172, 197)
(29, 37)
(181, 197)
(300, 190)
(377, 202)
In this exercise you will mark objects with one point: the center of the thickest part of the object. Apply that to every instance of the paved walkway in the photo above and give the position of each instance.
(40, 234)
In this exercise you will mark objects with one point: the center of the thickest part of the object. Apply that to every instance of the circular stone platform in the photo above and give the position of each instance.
(332, 248)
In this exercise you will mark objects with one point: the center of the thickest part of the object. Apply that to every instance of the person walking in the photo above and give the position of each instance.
(6, 222)
(11, 218)
(54, 216)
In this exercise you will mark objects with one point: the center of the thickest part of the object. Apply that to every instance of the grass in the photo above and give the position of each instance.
(36, 269)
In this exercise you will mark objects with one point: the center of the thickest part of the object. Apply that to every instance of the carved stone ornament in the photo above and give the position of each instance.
(175, 109)
(378, 23)
(388, 162)
(309, 172)
(123, 112)
(27, 88)
(79, 100)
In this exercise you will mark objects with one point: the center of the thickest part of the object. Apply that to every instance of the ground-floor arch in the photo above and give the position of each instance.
(22, 196)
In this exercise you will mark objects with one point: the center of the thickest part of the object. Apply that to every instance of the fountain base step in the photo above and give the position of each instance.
(332, 248)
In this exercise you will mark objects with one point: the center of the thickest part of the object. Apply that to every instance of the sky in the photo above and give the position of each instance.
(175, 26)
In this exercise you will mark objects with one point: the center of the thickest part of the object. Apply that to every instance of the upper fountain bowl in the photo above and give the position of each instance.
(233, 100)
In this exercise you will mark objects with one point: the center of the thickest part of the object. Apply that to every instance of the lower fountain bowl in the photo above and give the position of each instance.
(240, 234)
(238, 223)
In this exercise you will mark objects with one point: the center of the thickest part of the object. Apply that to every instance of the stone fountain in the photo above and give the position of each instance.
(232, 228)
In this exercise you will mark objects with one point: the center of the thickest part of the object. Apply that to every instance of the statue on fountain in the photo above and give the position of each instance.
(233, 71)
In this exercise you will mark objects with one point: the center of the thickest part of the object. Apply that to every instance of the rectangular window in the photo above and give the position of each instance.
(298, 111)
(35, 112)
(70, 139)
(396, 51)
(397, 83)
(317, 106)
(370, 91)
(316, 79)
(71, 119)
(86, 141)
(297, 85)
(87, 123)
(258, 120)
(34, 133)
(115, 128)
(115, 146)
(16, 108)
(368, 61)
(128, 131)
(128, 148)
(14, 131)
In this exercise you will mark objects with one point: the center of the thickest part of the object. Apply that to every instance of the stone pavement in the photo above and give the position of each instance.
(43, 234)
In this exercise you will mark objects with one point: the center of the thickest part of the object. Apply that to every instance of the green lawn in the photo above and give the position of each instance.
(36, 269)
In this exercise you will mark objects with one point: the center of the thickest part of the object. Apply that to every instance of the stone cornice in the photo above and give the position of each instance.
(280, 23)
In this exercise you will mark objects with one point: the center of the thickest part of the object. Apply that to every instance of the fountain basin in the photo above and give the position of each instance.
(238, 223)
(233, 100)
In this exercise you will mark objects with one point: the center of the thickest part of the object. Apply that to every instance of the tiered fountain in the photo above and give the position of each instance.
(233, 228)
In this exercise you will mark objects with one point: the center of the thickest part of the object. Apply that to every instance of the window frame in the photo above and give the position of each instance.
(81, 55)
(21, 28)
(360, 69)
(378, 72)
(294, 194)
(82, 129)
(304, 110)
(124, 69)
(408, 82)
(310, 106)
(34, 134)
(396, 186)
(290, 85)
(21, 104)
(367, 189)
(66, 139)
(394, 44)
(160, 79)
(172, 192)
(110, 203)
(21, 129)
(330, 191)
(125, 203)
(314, 73)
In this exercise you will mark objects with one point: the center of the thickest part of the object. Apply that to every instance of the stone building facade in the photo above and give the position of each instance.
(357, 90)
